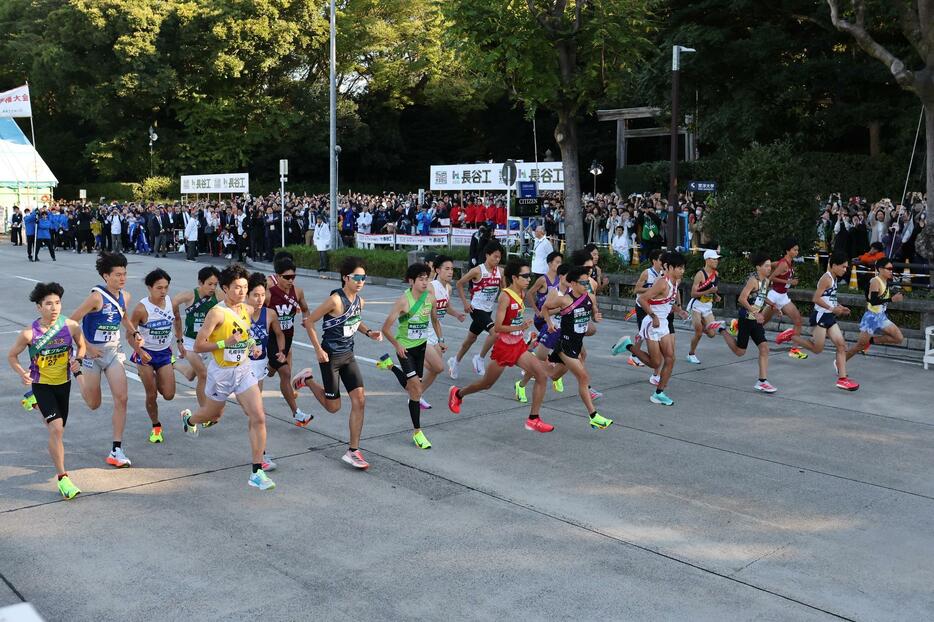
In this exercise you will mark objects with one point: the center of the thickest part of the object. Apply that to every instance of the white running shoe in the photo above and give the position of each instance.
(191, 431)
(654, 380)
(594, 394)
(692, 358)
(423, 403)
(765, 387)
(261, 480)
(118, 459)
(452, 367)
(269, 464)
(635, 362)
(355, 459)
(298, 380)
(479, 366)
(302, 418)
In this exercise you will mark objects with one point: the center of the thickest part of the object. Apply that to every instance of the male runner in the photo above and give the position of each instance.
(643, 284)
(549, 285)
(50, 339)
(416, 311)
(657, 302)
(101, 315)
(154, 319)
(198, 302)
(824, 319)
(703, 295)
(876, 327)
(486, 282)
(443, 267)
(340, 321)
(574, 311)
(510, 348)
(783, 277)
(287, 299)
(225, 335)
(750, 324)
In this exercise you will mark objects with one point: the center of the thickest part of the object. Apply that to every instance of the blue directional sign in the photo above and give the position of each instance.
(528, 189)
(702, 186)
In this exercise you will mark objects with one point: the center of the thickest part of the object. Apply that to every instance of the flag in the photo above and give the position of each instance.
(16, 103)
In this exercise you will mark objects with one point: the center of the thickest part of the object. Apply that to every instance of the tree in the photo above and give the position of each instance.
(916, 18)
(560, 55)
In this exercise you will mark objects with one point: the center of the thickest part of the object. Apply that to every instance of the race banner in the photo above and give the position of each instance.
(224, 183)
(373, 238)
(422, 240)
(16, 102)
(488, 176)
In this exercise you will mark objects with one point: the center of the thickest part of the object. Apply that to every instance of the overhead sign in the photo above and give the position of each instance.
(509, 173)
(702, 186)
(489, 176)
(528, 189)
(225, 183)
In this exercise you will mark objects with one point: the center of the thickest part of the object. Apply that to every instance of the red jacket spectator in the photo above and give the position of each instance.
(471, 214)
(455, 215)
(489, 214)
(501, 216)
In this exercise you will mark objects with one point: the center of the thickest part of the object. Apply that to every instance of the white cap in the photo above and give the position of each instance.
(711, 254)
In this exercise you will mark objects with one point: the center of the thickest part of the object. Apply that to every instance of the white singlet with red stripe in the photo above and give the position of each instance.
(485, 292)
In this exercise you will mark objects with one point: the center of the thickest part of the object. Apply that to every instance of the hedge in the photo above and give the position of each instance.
(114, 190)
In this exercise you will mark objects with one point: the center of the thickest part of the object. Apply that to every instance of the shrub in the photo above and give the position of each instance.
(154, 188)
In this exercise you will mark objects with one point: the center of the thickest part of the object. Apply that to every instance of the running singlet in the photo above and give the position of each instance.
(234, 322)
(758, 296)
(156, 331)
(661, 307)
(829, 298)
(513, 317)
(259, 331)
(196, 312)
(285, 305)
(337, 331)
(575, 319)
(782, 288)
(709, 282)
(413, 327)
(540, 297)
(485, 292)
(884, 295)
(651, 274)
(104, 326)
(49, 364)
(441, 298)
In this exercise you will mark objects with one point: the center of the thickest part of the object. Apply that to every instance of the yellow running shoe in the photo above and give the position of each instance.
(520, 393)
(558, 385)
(420, 440)
(67, 488)
(796, 353)
(155, 436)
(599, 422)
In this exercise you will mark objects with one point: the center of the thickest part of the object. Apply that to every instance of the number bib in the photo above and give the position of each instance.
(107, 334)
(235, 354)
(581, 320)
(417, 330)
(160, 335)
(286, 322)
(351, 325)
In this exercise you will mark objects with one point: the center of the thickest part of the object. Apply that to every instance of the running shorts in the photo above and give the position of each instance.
(508, 354)
(160, 358)
(874, 323)
(825, 320)
(749, 329)
(779, 300)
(704, 308)
(549, 339)
(342, 366)
(52, 400)
(654, 334)
(272, 348)
(189, 344)
(640, 315)
(480, 321)
(110, 355)
(568, 347)
(259, 368)
(224, 381)
(414, 362)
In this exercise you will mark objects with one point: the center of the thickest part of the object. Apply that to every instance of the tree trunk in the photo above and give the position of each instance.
(874, 149)
(566, 136)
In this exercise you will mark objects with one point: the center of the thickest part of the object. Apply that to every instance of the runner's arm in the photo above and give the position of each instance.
(92, 303)
(397, 308)
(469, 276)
(323, 309)
(132, 322)
(530, 293)
(640, 288)
(822, 286)
(77, 336)
(698, 279)
(132, 334)
(751, 284)
(177, 302)
(435, 320)
(22, 341)
(272, 324)
(203, 343)
(501, 307)
(658, 287)
(779, 274)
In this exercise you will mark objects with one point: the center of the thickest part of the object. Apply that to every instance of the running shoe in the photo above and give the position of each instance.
(118, 459)
(634, 361)
(355, 459)
(301, 418)
(67, 488)
(661, 398)
(208, 424)
(764, 386)
(594, 394)
(155, 436)
(479, 365)
(423, 404)
(734, 327)
(384, 362)
(621, 345)
(28, 401)
(454, 402)
(520, 393)
(421, 441)
(599, 422)
(452, 367)
(796, 353)
(558, 385)
(714, 325)
(268, 464)
(654, 380)
(866, 349)
(190, 430)
(261, 480)
(298, 380)
(784, 336)
(846, 384)
(835, 370)
(537, 425)
(692, 358)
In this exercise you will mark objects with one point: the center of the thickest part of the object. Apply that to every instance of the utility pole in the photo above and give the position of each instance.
(332, 148)
(672, 224)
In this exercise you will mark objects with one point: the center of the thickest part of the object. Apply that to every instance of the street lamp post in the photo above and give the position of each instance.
(153, 137)
(673, 179)
(332, 149)
(595, 169)
(283, 174)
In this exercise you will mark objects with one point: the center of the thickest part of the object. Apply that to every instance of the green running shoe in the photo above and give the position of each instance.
(67, 488)
(520, 393)
(384, 362)
(420, 440)
(599, 422)
(558, 385)
(155, 436)
(28, 401)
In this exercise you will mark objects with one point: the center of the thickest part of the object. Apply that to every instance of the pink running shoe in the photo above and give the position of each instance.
(537, 425)
(454, 402)
(846, 384)
(784, 336)
(765, 387)
(298, 380)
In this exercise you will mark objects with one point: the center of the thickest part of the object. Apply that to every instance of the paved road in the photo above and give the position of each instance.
(810, 504)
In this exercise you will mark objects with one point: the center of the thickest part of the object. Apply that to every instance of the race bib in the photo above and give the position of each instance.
(160, 336)
(417, 330)
(286, 323)
(107, 334)
(350, 326)
(581, 321)
(235, 354)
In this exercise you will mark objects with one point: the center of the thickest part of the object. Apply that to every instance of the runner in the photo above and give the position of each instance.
(50, 339)
(154, 319)
(824, 319)
(287, 299)
(643, 284)
(783, 277)
(584, 258)
(876, 328)
(225, 335)
(550, 284)
(750, 324)
(657, 302)
(340, 320)
(510, 348)
(443, 267)
(574, 311)
(486, 282)
(416, 311)
(101, 315)
(703, 295)
(198, 302)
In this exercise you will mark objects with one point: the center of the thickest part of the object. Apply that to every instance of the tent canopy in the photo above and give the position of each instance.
(21, 166)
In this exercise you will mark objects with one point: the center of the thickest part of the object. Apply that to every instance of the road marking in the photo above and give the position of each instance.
(25, 278)
(308, 346)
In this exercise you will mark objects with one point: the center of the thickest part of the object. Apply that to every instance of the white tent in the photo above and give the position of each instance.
(25, 178)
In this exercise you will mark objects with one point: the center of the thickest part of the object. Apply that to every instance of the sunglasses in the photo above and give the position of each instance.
(287, 277)
(888, 268)
(359, 278)
(525, 275)
(584, 283)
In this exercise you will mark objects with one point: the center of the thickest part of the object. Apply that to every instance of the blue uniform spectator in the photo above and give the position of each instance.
(44, 235)
(29, 222)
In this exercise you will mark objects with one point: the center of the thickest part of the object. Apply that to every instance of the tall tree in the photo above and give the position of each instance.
(565, 56)
(916, 18)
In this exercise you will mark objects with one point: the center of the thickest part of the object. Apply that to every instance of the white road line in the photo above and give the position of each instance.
(25, 278)
(308, 346)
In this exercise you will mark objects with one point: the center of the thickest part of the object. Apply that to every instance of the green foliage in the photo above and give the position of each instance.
(111, 191)
(771, 181)
(154, 188)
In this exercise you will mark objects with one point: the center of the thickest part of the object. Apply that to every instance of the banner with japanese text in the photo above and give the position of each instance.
(16, 103)
(488, 176)
(224, 183)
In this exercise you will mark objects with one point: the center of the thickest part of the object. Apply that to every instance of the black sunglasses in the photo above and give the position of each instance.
(287, 277)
